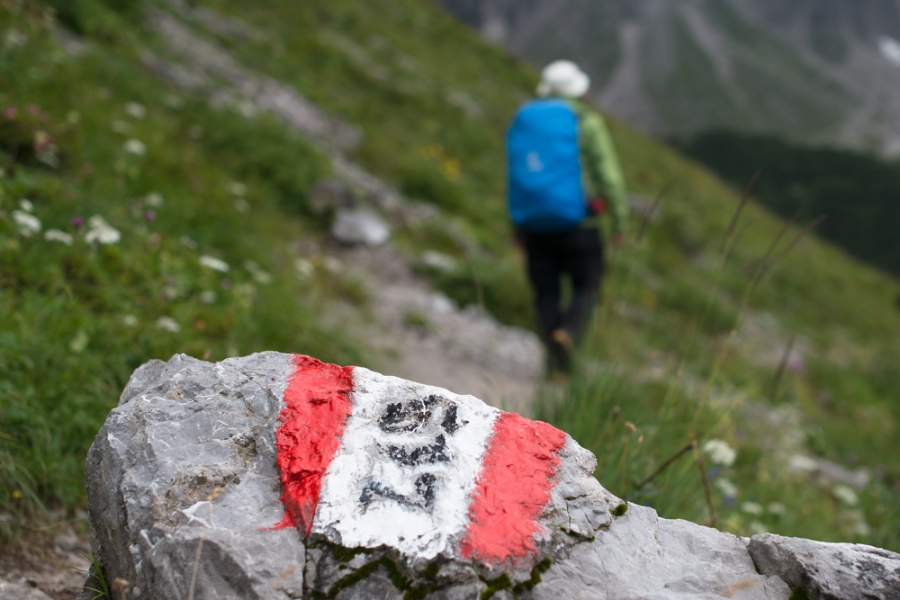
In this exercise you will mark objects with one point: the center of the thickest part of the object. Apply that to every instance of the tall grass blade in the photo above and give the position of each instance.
(740, 208)
(645, 220)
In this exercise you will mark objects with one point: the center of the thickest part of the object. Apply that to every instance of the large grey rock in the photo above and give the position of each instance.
(829, 571)
(185, 499)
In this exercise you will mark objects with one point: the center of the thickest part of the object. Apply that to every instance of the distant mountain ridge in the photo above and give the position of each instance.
(818, 71)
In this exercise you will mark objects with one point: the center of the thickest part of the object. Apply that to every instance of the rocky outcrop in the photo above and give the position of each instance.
(829, 571)
(278, 476)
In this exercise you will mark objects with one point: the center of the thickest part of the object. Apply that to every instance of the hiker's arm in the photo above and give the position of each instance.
(604, 169)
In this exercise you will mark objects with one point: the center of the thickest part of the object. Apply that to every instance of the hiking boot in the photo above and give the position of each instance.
(561, 348)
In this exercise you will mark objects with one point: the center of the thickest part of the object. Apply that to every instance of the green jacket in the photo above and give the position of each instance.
(602, 173)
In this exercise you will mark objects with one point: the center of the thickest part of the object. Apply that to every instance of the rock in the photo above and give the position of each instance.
(20, 591)
(278, 476)
(829, 571)
(643, 556)
(182, 476)
(359, 226)
(438, 261)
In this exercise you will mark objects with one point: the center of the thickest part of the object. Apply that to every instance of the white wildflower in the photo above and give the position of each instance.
(28, 224)
(757, 528)
(214, 263)
(153, 200)
(26, 205)
(776, 508)
(237, 188)
(168, 324)
(720, 453)
(752, 508)
(120, 126)
(49, 156)
(263, 277)
(845, 494)
(259, 276)
(79, 342)
(170, 292)
(135, 110)
(129, 321)
(55, 235)
(853, 522)
(101, 232)
(242, 206)
(208, 297)
(438, 261)
(726, 487)
(189, 243)
(135, 147)
(305, 268)
(802, 464)
(14, 38)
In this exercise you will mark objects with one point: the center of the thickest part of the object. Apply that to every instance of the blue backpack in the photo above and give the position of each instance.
(544, 168)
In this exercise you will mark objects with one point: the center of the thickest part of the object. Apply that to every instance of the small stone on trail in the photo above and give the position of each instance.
(360, 226)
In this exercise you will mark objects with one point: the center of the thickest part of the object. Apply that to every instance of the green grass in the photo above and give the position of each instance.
(681, 350)
(75, 320)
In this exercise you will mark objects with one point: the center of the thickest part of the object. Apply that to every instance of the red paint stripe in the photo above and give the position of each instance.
(316, 408)
(512, 490)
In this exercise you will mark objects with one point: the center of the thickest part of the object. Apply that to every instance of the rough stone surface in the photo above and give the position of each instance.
(182, 476)
(359, 226)
(644, 556)
(185, 494)
(829, 571)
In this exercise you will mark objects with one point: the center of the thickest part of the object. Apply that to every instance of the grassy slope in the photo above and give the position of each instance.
(76, 320)
(433, 101)
(357, 63)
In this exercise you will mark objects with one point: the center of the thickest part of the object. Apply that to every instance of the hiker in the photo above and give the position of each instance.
(563, 174)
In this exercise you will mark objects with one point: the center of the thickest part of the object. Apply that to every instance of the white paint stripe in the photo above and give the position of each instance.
(398, 513)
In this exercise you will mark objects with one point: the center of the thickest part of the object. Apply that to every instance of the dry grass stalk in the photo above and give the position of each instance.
(740, 208)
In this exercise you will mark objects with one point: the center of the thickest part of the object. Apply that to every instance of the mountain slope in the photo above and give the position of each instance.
(814, 71)
(774, 342)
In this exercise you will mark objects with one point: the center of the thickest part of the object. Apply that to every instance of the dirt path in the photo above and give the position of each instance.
(427, 338)
(421, 335)
(50, 564)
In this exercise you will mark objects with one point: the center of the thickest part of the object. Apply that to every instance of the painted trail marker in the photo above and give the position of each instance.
(369, 461)
(279, 477)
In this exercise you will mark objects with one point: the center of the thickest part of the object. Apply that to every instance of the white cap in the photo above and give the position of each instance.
(563, 78)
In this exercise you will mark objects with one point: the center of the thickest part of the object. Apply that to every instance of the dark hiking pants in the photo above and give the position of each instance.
(578, 254)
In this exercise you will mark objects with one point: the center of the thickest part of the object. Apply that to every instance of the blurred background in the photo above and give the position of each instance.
(217, 177)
